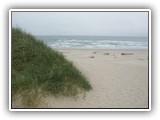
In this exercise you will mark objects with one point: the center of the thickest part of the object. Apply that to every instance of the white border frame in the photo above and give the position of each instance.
(70, 10)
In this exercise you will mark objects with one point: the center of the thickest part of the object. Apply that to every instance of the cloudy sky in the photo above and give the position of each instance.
(83, 23)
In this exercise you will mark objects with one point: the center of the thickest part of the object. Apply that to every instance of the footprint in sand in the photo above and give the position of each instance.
(91, 56)
(127, 54)
(106, 53)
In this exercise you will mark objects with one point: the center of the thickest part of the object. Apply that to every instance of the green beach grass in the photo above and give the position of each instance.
(37, 69)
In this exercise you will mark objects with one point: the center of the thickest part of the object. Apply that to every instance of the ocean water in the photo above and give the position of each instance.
(95, 42)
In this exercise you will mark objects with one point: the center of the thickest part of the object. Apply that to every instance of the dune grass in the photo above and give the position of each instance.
(38, 69)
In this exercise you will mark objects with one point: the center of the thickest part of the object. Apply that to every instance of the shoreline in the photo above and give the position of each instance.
(139, 49)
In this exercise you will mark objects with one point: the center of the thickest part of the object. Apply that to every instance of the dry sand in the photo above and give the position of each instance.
(118, 80)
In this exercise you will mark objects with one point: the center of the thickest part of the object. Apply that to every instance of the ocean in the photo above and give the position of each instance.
(95, 42)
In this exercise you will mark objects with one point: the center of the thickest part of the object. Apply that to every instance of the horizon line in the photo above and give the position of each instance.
(94, 35)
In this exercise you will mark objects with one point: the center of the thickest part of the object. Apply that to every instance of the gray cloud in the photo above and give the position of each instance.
(83, 23)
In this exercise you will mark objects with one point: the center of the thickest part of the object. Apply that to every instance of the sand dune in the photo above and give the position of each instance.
(118, 80)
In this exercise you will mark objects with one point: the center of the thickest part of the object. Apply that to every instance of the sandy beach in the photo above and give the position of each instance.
(119, 79)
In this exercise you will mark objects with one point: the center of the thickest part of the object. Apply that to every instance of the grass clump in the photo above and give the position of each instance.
(37, 69)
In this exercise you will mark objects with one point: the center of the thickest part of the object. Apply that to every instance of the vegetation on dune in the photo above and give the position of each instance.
(38, 69)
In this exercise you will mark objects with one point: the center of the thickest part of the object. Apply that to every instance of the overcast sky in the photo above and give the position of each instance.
(83, 23)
